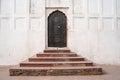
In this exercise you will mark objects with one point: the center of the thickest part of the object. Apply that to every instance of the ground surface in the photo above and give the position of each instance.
(110, 73)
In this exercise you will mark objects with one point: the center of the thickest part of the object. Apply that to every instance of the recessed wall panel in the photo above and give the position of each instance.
(108, 24)
(21, 7)
(118, 24)
(53, 2)
(80, 24)
(58, 3)
(108, 7)
(36, 6)
(5, 25)
(78, 6)
(118, 8)
(93, 6)
(93, 24)
(35, 24)
(21, 24)
(5, 6)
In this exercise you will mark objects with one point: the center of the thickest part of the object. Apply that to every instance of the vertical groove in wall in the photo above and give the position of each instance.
(117, 10)
(113, 8)
(14, 13)
(0, 8)
(100, 16)
(45, 46)
(0, 15)
(115, 14)
(72, 6)
(87, 7)
(102, 7)
(72, 9)
(15, 7)
(73, 14)
(29, 7)
(88, 23)
(0, 24)
(87, 12)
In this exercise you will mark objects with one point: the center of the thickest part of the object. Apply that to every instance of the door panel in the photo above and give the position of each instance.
(57, 29)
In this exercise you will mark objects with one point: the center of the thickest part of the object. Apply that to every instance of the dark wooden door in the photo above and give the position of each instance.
(57, 29)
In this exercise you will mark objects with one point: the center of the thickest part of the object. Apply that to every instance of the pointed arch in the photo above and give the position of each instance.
(57, 30)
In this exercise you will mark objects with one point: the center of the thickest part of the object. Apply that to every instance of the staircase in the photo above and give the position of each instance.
(55, 63)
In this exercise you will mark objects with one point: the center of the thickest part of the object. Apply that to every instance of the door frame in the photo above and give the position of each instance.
(61, 37)
(49, 10)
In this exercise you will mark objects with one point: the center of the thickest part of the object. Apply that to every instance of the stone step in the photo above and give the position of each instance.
(56, 64)
(49, 59)
(57, 51)
(55, 71)
(56, 55)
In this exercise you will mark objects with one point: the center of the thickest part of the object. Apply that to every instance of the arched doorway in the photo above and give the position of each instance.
(57, 30)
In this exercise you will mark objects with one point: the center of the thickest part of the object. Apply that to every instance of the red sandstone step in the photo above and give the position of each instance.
(57, 55)
(56, 64)
(57, 51)
(48, 59)
(54, 71)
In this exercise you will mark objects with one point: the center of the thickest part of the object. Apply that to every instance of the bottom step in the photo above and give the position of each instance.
(55, 71)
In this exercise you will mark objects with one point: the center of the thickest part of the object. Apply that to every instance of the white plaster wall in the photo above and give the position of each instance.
(93, 29)
(22, 29)
(96, 33)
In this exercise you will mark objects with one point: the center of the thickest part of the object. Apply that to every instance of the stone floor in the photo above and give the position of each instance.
(110, 73)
